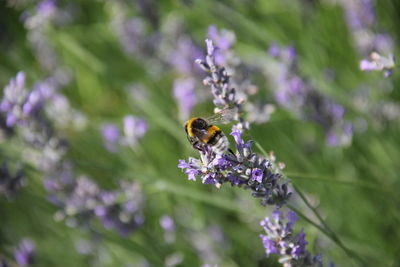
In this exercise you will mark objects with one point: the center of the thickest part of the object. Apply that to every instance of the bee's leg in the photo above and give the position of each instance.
(197, 145)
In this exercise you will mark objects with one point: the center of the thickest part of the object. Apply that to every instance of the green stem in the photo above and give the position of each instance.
(304, 217)
(314, 210)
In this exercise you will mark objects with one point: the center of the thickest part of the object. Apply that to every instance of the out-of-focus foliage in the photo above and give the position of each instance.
(91, 129)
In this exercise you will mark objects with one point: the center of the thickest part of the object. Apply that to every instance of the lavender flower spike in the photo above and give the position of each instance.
(225, 96)
(15, 95)
(24, 254)
(280, 239)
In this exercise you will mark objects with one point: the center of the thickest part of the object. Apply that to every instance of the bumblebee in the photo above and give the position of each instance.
(201, 132)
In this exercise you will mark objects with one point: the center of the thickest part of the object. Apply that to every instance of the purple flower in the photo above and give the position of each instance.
(210, 47)
(300, 249)
(184, 94)
(14, 98)
(25, 252)
(134, 129)
(131, 33)
(209, 178)
(340, 135)
(192, 174)
(269, 245)
(297, 85)
(292, 217)
(360, 14)
(111, 135)
(82, 201)
(332, 139)
(298, 96)
(183, 55)
(274, 50)
(33, 101)
(257, 175)
(168, 225)
(218, 80)
(361, 19)
(378, 63)
(280, 239)
(337, 111)
(21, 107)
(237, 135)
(182, 164)
(46, 7)
(242, 167)
(223, 39)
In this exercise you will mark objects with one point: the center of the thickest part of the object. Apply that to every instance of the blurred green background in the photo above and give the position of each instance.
(355, 188)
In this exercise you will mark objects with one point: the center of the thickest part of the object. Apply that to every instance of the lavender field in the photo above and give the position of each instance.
(199, 133)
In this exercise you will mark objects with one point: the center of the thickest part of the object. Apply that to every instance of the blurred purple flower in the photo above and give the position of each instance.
(361, 19)
(298, 96)
(378, 63)
(46, 7)
(25, 252)
(383, 43)
(337, 111)
(111, 135)
(185, 95)
(131, 33)
(14, 98)
(274, 50)
(183, 55)
(134, 129)
(340, 135)
(360, 14)
(167, 223)
(81, 201)
(223, 39)
(19, 105)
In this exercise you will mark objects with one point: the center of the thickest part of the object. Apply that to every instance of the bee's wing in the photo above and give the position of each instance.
(224, 116)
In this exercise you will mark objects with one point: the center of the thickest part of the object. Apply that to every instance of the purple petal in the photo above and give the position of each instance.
(257, 175)
(210, 47)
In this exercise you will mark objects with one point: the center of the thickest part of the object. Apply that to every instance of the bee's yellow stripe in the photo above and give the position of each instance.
(189, 126)
(211, 132)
